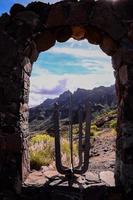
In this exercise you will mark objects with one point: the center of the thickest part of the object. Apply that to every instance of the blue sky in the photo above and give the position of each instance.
(5, 5)
(70, 65)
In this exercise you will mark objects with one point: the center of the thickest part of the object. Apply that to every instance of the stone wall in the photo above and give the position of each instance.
(26, 32)
(10, 93)
(122, 62)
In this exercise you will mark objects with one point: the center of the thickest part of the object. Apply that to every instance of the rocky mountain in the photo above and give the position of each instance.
(100, 97)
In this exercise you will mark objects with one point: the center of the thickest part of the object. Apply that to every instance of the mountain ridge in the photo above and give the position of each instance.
(40, 116)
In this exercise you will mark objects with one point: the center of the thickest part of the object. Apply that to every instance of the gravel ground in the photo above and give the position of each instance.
(102, 153)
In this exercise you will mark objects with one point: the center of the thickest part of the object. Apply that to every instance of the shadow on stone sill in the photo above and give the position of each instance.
(52, 190)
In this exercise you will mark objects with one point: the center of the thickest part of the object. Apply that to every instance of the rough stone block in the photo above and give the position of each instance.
(25, 160)
(40, 8)
(56, 16)
(45, 40)
(16, 8)
(4, 21)
(123, 74)
(78, 14)
(127, 56)
(63, 34)
(26, 82)
(93, 35)
(92, 177)
(31, 52)
(13, 107)
(123, 9)
(117, 59)
(10, 143)
(7, 58)
(108, 178)
(28, 17)
(27, 65)
(102, 17)
(108, 45)
(11, 119)
(78, 32)
(24, 107)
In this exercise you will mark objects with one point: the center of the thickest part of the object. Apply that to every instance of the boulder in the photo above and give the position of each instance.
(123, 74)
(40, 8)
(117, 59)
(108, 45)
(108, 178)
(8, 51)
(4, 21)
(78, 32)
(27, 65)
(92, 177)
(35, 178)
(93, 35)
(123, 9)
(78, 13)
(24, 107)
(102, 17)
(31, 52)
(28, 17)
(127, 56)
(56, 16)
(45, 40)
(63, 34)
(16, 8)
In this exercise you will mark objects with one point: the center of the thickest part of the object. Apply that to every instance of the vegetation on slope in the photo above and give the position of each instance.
(42, 150)
(42, 144)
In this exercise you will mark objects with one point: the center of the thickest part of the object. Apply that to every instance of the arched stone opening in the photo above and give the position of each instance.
(26, 32)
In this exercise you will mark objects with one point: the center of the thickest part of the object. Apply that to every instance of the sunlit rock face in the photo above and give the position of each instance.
(26, 32)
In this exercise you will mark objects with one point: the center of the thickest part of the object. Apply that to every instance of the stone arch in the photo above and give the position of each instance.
(27, 31)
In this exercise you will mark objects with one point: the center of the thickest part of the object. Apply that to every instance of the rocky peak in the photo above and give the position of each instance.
(64, 98)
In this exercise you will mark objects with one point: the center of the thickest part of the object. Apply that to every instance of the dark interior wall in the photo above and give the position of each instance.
(26, 32)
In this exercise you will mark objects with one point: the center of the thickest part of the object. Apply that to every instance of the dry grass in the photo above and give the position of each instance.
(42, 151)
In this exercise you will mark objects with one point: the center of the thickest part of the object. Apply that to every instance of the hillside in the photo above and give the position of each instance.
(100, 98)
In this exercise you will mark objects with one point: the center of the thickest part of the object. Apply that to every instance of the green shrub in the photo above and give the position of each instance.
(41, 150)
(41, 137)
(41, 158)
(94, 130)
(94, 127)
(92, 133)
(113, 123)
(112, 112)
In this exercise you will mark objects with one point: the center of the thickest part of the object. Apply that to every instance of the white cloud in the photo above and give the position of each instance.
(97, 65)
(77, 52)
(48, 85)
(72, 43)
(51, 82)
